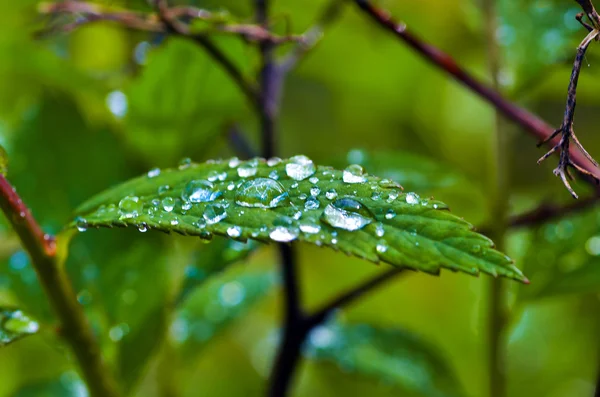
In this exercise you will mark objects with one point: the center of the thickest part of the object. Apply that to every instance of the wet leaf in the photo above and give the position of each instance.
(283, 201)
(393, 356)
(14, 325)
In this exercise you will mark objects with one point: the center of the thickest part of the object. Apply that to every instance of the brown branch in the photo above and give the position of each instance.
(590, 11)
(443, 61)
(548, 212)
(75, 329)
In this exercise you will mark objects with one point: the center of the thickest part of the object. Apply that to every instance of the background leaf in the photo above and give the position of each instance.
(14, 325)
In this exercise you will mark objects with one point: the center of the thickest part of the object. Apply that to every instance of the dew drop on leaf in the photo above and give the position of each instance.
(314, 191)
(354, 174)
(153, 172)
(200, 191)
(168, 203)
(214, 214)
(234, 162)
(273, 161)
(247, 170)
(81, 224)
(331, 194)
(130, 207)
(300, 167)
(412, 198)
(347, 214)
(261, 193)
(310, 227)
(284, 234)
(311, 204)
(314, 180)
(234, 231)
(390, 214)
(185, 163)
(381, 247)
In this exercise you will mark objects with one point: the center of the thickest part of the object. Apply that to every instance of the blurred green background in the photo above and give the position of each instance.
(84, 111)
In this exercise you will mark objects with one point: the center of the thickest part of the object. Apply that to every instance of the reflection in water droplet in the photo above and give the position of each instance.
(234, 162)
(382, 247)
(247, 170)
(185, 163)
(354, 174)
(314, 180)
(379, 231)
(261, 193)
(234, 231)
(274, 175)
(311, 204)
(314, 191)
(273, 161)
(331, 194)
(300, 167)
(81, 224)
(214, 213)
(153, 172)
(200, 191)
(412, 198)
(283, 234)
(390, 214)
(310, 227)
(347, 214)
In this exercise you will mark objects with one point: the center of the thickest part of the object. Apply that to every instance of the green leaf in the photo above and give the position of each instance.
(390, 355)
(69, 385)
(14, 325)
(291, 200)
(210, 309)
(221, 253)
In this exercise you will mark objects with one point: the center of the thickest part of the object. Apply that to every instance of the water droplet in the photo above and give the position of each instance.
(311, 204)
(234, 231)
(81, 224)
(354, 174)
(274, 175)
(143, 227)
(231, 186)
(302, 196)
(234, 162)
(382, 247)
(390, 214)
(19, 323)
(199, 191)
(314, 191)
(331, 194)
(168, 203)
(175, 221)
(379, 231)
(347, 214)
(247, 170)
(310, 227)
(300, 167)
(392, 196)
(186, 206)
(130, 207)
(388, 183)
(116, 101)
(435, 206)
(261, 193)
(273, 161)
(212, 176)
(376, 196)
(153, 172)
(412, 198)
(163, 189)
(476, 249)
(214, 213)
(314, 180)
(185, 163)
(283, 234)
(294, 185)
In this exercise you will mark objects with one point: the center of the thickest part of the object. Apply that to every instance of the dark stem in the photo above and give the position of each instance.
(529, 121)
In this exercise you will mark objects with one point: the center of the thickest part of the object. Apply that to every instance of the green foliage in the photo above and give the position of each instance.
(287, 200)
(14, 325)
(393, 356)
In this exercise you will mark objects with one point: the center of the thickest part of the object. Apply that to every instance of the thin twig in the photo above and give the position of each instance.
(547, 212)
(75, 329)
(524, 118)
(352, 295)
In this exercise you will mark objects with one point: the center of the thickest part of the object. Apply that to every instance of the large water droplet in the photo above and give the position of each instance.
(284, 234)
(412, 198)
(354, 174)
(214, 213)
(261, 193)
(347, 214)
(168, 203)
(300, 167)
(130, 207)
(200, 191)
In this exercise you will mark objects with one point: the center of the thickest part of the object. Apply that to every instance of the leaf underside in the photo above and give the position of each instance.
(402, 229)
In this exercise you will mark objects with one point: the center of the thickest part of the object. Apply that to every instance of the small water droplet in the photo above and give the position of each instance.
(214, 213)
(247, 170)
(153, 172)
(382, 247)
(81, 224)
(234, 231)
(283, 234)
(130, 207)
(309, 227)
(212, 176)
(388, 183)
(390, 214)
(185, 163)
(143, 227)
(200, 191)
(186, 206)
(392, 196)
(435, 206)
(347, 214)
(300, 167)
(294, 185)
(314, 191)
(168, 203)
(331, 194)
(379, 231)
(376, 196)
(261, 193)
(311, 204)
(314, 180)
(302, 196)
(163, 189)
(234, 162)
(412, 198)
(231, 186)
(354, 174)
(273, 161)
(274, 175)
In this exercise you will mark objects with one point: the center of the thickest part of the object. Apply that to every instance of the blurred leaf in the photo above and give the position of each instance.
(582, 280)
(180, 103)
(69, 385)
(357, 213)
(390, 355)
(14, 325)
(212, 259)
(214, 306)
(3, 161)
